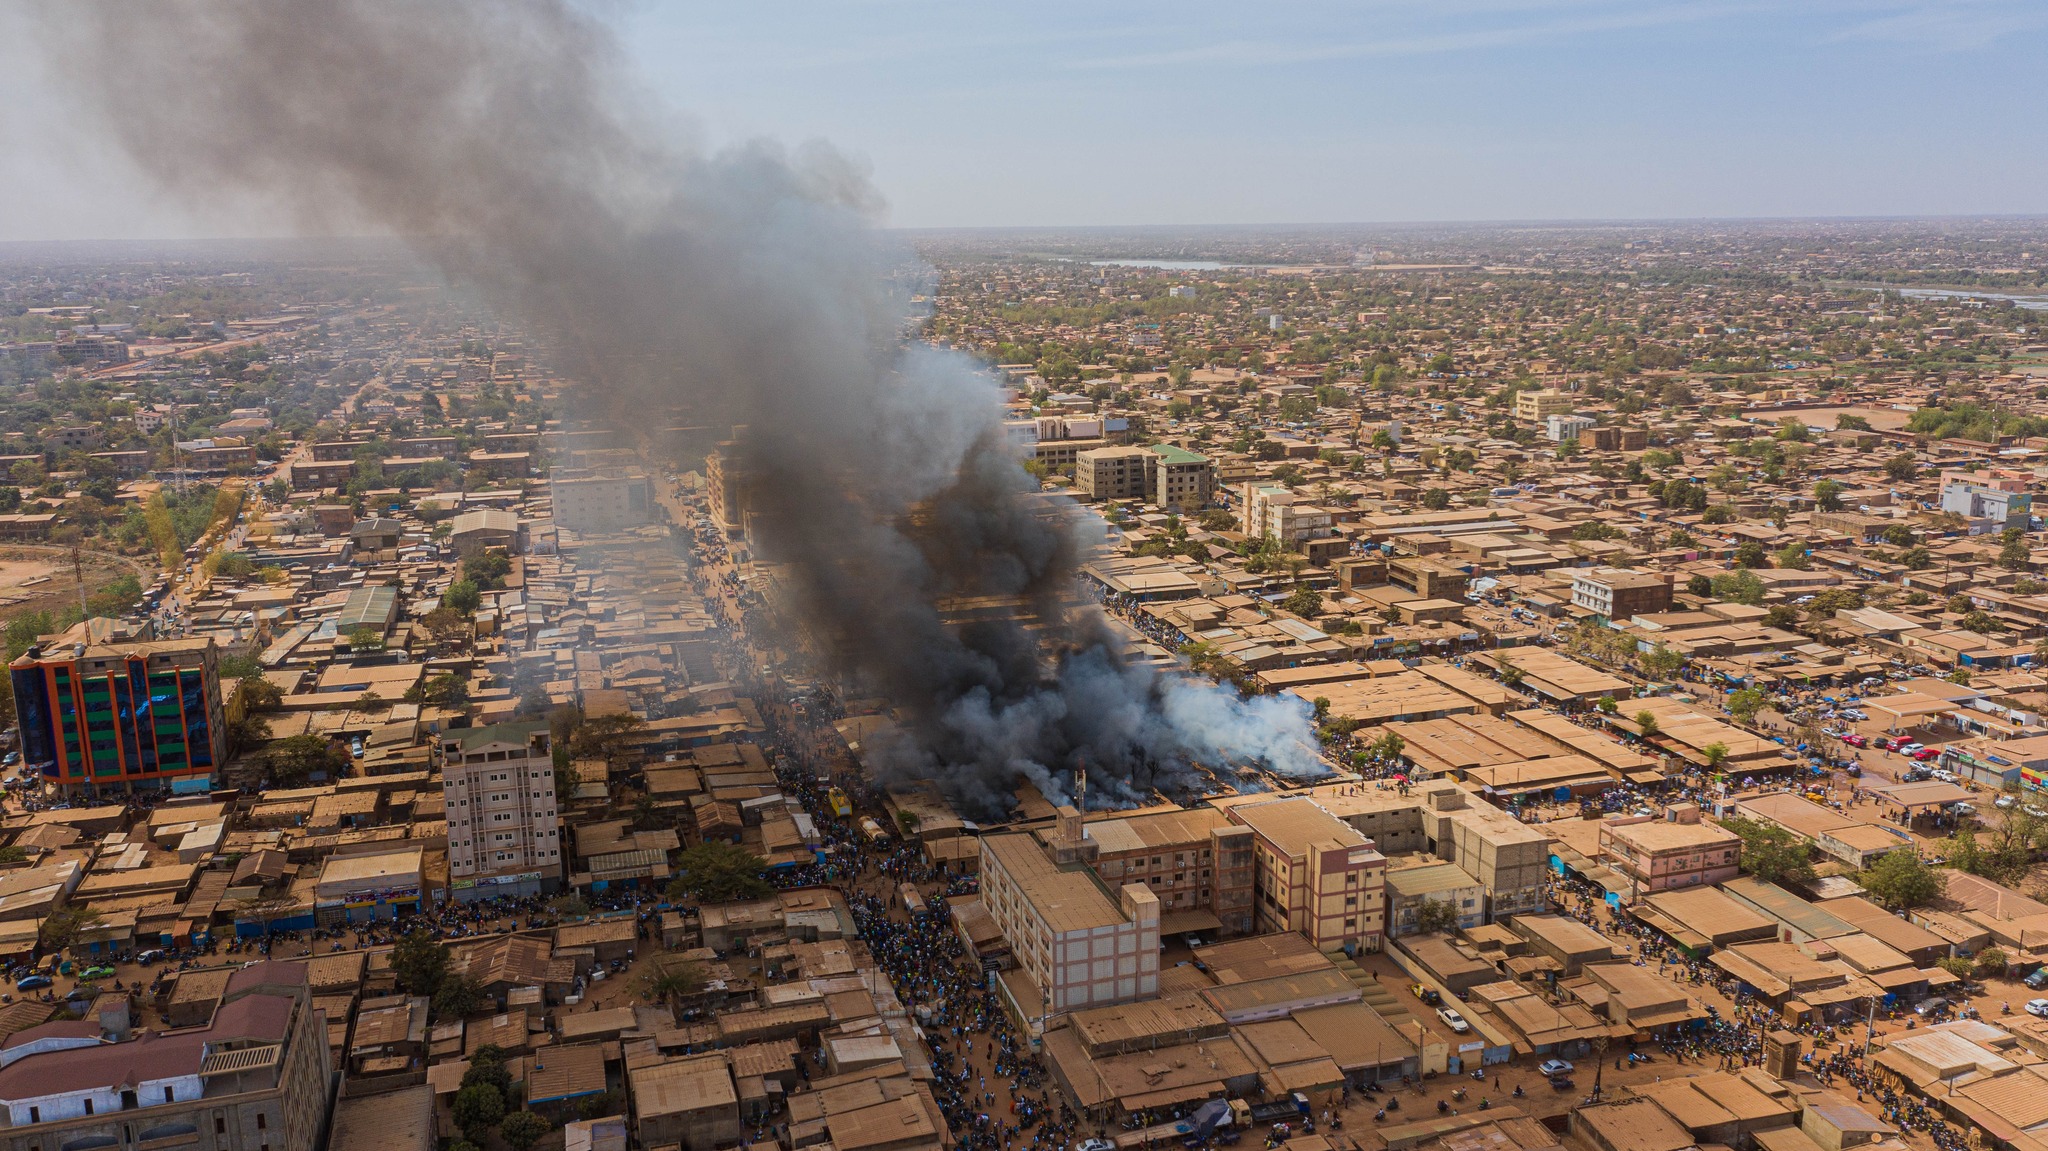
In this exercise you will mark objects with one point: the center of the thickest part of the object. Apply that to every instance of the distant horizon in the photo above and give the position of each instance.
(1275, 225)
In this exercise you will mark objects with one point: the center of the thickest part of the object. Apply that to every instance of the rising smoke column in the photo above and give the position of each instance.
(499, 139)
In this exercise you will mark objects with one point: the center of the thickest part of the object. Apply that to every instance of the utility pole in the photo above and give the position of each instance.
(78, 570)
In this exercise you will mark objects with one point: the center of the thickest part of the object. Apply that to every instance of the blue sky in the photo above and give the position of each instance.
(1061, 113)
(1194, 112)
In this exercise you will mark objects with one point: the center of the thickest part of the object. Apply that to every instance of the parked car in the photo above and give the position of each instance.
(101, 971)
(1934, 1006)
(32, 983)
(1453, 1020)
(1094, 1145)
(1554, 1067)
(1910, 748)
(2037, 980)
(1930, 753)
(2004, 801)
(2038, 1007)
(1854, 740)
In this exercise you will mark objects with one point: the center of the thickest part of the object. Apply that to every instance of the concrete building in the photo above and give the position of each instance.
(1270, 510)
(504, 836)
(1619, 593)
(1677, 851)
(1194, 860)
(1559, 429)
(1077, 942)
(1315, 875)
(120, 716)
(1536, 406)
(591, 501)
(254, 1077)
(1409, 888)
(725, 488)
(1183, 481)
(1998, 498)
(1115, 473)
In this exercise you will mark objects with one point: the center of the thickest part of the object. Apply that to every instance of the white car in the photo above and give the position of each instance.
(2037, 1007)
(1094, 1145)
(2004, 801)
(1453, 1020)
(1911, 748)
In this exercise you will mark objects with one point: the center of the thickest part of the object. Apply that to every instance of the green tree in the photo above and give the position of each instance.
(2013, 553)
(444, 690)
(366, 638)
(1304, 601)
(718, 872)
(1434, 916)
(1793, 555)
(1741, 587)
(478, 1108)
(1436, 499)
(62, 927)
(1608, 705)
(419, 963)
(670, 979)
(522, 1129)
(1663, 662)
(462, 596)
(1827, 495)
(1770, 852)
(1646, 722)
(1902, 468)
(1744, 703)
(456, 998)
(291, 761)
(1715, 754)
(1749, 554)
(487, 570)
(1901, 879)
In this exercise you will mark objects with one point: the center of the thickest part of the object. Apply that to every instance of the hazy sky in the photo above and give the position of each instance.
(983, 113)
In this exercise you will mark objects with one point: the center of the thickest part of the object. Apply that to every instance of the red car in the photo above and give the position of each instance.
(1854, 740)
(1927, 753)
(1893, 743)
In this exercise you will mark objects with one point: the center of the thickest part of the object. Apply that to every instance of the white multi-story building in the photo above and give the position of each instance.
(504, 834)
(1077, 944)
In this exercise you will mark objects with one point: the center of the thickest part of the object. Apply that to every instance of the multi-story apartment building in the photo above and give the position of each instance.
(1537, 406)
(725, 488)
(1077, 942)
(504, 835)
(592, 501)
(120, 716)
(1507, 857)
(1270, 510)
(1182, 480)
(1195, 861)
(1672, 852)
(1116, 473)
(1620, 593)
(1561, 428)
(1315, 875)
(253, 1078)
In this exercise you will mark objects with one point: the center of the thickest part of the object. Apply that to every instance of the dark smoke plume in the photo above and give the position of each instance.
(747, 285)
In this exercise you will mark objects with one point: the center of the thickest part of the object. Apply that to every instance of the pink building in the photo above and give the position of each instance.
(1673, 851)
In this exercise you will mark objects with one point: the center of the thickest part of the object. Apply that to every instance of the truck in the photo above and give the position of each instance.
(873, 831)
(838, 804)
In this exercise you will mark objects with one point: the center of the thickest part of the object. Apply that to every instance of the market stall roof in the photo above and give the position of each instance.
(1927, 793)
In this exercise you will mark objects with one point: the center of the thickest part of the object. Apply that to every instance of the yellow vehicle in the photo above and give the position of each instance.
(837, 801)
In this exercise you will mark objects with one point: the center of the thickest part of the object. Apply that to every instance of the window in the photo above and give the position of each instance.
(170, 1095)
(35, 1114)
(262, 1121)
(220, 1125)
(88, 1106)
